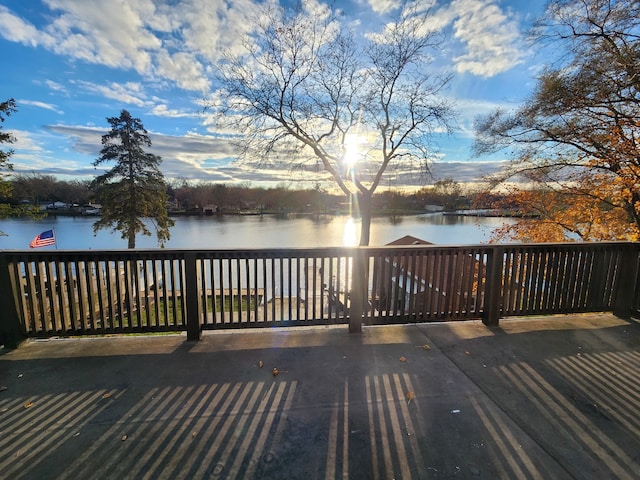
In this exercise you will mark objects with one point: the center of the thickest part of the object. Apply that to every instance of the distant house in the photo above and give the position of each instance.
(424, 282)
(434, 208)
(91, 209)
(58, 205)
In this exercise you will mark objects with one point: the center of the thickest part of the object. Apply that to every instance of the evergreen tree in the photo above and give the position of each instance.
(134, 189)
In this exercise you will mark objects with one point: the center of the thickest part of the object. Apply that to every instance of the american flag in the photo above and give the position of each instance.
(45, 238)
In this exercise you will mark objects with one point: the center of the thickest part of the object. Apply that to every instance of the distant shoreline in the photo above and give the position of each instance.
(380, 213)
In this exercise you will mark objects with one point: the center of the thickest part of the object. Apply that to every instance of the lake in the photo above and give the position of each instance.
(228, 232)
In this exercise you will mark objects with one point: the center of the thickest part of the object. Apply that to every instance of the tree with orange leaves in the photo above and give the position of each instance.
(577, 137)
(590, 206)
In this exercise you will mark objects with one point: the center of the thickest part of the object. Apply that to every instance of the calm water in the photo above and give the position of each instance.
(256, 232)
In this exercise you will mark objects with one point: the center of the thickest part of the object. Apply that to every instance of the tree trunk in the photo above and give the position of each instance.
(365, 205)
(359, 293)
(131, 234)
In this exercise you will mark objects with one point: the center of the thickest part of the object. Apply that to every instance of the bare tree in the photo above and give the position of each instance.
(306, 93)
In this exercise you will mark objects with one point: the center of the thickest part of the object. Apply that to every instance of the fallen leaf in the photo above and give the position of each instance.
(106, 395)
(76, 434)
(124, 437)
(403, 359)
(28, 405)
(426, 346)
(260, 364)
(2, 388)
(467, 353)
(20, 375)
(275, 371)
(410, 396)
(193, 434)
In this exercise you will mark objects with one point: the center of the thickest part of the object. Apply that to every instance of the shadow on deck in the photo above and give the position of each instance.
(549, 397)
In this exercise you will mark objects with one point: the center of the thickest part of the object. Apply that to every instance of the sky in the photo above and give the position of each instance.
(70, 64)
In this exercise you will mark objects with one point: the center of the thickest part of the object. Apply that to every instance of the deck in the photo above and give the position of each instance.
(546, 397)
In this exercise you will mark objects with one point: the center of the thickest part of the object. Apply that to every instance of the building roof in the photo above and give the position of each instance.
(409, 240)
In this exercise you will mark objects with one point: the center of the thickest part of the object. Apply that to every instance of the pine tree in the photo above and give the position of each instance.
(134, 189)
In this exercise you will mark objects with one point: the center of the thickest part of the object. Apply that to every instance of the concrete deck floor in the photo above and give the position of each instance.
(552, 397)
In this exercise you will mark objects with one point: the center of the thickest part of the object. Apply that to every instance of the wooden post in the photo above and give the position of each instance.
(493, 290)
(190, 294)
(625, 286)
(12, 330)
(358, 291)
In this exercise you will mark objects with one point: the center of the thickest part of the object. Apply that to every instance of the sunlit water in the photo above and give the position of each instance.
(76, 233)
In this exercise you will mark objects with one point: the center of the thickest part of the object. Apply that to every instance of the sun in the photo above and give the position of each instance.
(353, 149)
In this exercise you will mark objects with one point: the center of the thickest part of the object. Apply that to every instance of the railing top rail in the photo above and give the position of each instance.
(169, 253)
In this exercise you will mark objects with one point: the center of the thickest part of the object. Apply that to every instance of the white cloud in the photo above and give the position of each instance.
(490, 36)
(24, 142)
(465, 172)
(112, 34)
(85, 140)
(206, 158)
(189, 156)
(209, 27)
(178, 43)
(163, 110)
(469, 109)
(16, 29)
(384, 6)
(163, 40)
(131, 92)
(170, 43)
(55, 86)
(91, 30)
(35, 103)
(183, 68)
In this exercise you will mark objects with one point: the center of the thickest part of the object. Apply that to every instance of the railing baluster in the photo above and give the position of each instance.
(290, 289)
(110, 279)
(69, 289)
(156, 269)
(12, 330)
(451, 293)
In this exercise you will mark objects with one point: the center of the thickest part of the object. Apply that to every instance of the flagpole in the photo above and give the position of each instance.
(55, 237)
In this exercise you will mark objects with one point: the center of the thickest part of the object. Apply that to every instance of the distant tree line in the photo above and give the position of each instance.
(206, 197)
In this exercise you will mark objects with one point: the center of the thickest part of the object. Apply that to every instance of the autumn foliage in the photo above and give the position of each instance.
(576, 140)
(593, 206)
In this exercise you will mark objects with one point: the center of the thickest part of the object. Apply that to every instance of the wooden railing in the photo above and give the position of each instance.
(60, 293)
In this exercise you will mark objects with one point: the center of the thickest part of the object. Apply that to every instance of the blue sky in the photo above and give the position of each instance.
(69, 64)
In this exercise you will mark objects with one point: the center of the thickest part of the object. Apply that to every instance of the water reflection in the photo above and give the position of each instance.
(441, 219)
(350, 235)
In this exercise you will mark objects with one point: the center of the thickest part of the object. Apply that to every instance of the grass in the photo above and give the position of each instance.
(173, 309)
